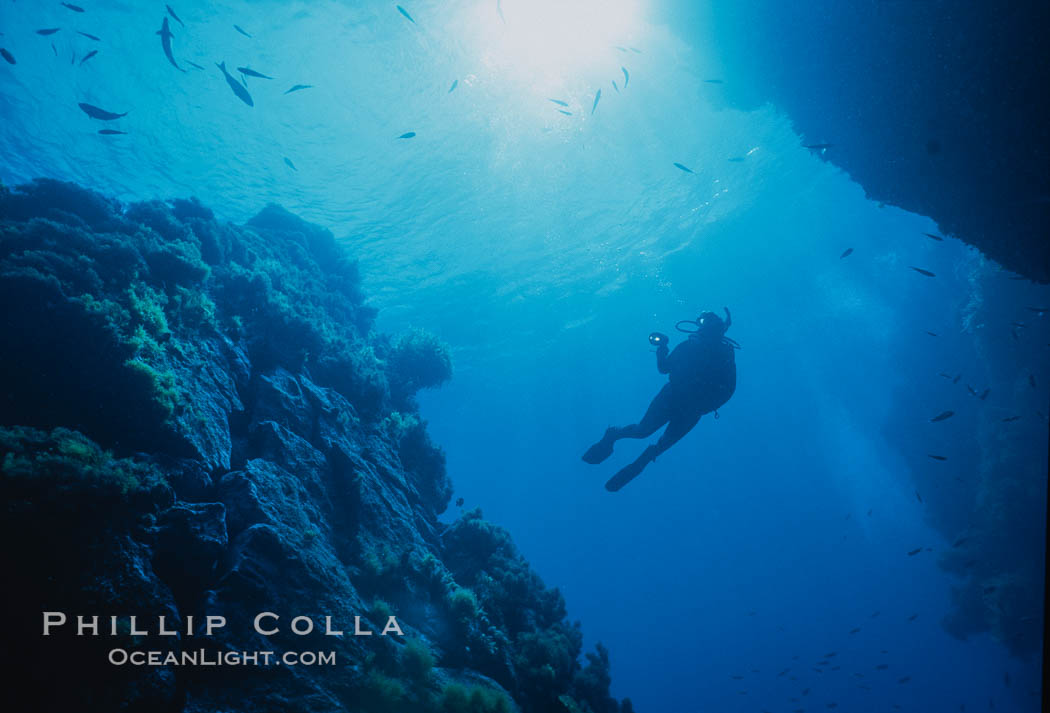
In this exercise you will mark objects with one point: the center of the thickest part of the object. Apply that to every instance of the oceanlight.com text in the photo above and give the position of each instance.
(202, 657)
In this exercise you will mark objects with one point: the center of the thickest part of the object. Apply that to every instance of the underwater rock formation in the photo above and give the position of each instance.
(197, 419)
(930, 106)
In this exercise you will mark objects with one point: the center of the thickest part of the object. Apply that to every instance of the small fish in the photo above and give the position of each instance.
(936, 457)
(956, 379)
(635, 50)
(455, 84)
(192, 64)
(960, 542)
(823, 663)
(831, 655)
(855, 630)
(737, 678)
(165, 41)
(714, 81)
(8, 57)
(616, 87)
(1031, 380)
(297, 87)
(73, 58)
(931, 236)
(1006, 679)
(869, 513)
(241, 30)
(597, 98)
(101, 114)
(924, 272)
(559, 102)
(407, 135)
(1010, 419)
(882, 667)
(499, 10)
(626, 77)
(88, 56)
(912, 553)
(989, 589)
(875, 614)
(174, 16)
(818, 147)
(236, 86)
(904, 680)
(112, 132)
(984, 394)
(946, 376)
(783, 673)
(973, 392)
(622, 49)
(252, 73)
(90, 37)
(289, 164)
(459, 502)
(74, 8)
(805, 691)
(50, 31)
(1039, 310)
(54, 49)
(846, 253)
(566, 113)
(932, 334)
(942, 416)
(918, 497)
(683, 168)
(404, 12)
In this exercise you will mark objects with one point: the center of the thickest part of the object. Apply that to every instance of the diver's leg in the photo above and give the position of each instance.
(679, 425)
(655, 416)
(658, 413)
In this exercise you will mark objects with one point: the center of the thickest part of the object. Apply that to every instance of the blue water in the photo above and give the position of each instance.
(544, 248)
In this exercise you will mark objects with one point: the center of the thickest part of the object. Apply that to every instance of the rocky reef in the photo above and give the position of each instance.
(930, 106)
(198, 420)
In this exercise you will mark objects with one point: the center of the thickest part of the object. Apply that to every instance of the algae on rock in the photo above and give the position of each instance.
(199, 419)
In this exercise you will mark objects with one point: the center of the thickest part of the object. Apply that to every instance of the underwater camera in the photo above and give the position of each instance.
(658, 338)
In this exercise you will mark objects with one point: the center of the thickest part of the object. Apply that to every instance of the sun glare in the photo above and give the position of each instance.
(545, 42)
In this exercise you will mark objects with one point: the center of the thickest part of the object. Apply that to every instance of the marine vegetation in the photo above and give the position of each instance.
(199, 418)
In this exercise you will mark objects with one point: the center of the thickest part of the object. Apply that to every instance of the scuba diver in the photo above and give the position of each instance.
(701, 378)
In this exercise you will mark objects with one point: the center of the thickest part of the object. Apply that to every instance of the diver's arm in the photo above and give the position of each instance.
(663, 361)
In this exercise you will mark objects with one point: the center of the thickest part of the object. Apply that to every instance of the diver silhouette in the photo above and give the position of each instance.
(701, 378)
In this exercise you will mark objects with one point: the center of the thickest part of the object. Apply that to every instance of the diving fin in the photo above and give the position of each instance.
(632, 470)
(602, 449)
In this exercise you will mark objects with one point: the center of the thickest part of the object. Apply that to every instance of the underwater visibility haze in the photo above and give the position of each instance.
(293, 292)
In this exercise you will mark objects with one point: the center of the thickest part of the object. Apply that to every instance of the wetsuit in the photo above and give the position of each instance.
(702, 377)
